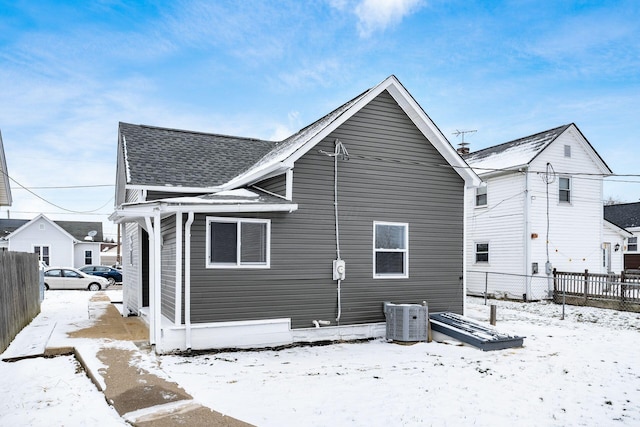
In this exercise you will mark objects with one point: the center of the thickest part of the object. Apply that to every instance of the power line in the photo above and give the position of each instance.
(64, 187)
(51, 203)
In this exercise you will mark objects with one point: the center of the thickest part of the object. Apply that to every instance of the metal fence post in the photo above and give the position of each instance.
(486, 281)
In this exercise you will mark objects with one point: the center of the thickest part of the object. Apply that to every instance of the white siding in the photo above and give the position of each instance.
(518, 240)
(80, 248)
(617, 257)
(131, 268)
(575, 228)
(501, 224)
(43, 233)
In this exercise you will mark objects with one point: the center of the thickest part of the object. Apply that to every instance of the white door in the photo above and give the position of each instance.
(606, 257)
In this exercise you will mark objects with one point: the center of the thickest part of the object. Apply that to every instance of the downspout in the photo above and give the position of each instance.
(465, 236)
(187, 280)
(178, 307)
(151, 234)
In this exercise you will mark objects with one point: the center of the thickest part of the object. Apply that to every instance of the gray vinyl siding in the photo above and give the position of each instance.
(394, 174)
(276, 185)
(168, 268)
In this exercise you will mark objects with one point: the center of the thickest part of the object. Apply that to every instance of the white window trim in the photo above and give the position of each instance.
(238, 264)
(475, 197)
(562, 202)
(33, 250)
(475, 252)
(634, 244)
(405, 275)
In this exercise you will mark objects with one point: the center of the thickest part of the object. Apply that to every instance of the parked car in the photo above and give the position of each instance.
(111, 274)
(70, 278)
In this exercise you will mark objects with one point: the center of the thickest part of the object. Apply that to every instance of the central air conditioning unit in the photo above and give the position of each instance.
(407, 322)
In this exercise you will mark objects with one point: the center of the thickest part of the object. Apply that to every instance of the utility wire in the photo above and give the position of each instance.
(51, 203)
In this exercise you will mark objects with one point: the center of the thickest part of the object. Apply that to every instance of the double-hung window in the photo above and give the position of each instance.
(390, 250)
(88, 258)
(482, 252)
(564, 190)
(481, 196)
(632, 244)
(238, 243)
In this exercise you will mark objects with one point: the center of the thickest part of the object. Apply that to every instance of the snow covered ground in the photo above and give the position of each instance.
(579, 371)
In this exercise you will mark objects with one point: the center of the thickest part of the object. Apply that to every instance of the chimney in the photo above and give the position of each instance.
(463, 148)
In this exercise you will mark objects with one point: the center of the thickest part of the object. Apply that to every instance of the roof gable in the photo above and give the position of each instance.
(284, 155)
(519, 152)
(523, 151)
(75, 230)
(191, 161)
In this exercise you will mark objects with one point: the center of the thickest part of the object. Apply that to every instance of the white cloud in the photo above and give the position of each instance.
(377, 15)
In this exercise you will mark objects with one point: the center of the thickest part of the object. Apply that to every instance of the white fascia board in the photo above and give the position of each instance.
(621, 231)
(53, 224)
(175, 189)
(494, 173)
(591, 152)
(257, 175)
(150, 210)
(431, 132)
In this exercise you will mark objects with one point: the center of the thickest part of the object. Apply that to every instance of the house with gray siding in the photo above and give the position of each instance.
(240, 242)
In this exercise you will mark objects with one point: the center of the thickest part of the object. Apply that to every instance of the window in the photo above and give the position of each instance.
(632, 244)
(565, 189)
(43, 253)
(390, 250)
(567, 151)
(482, 252)
(481, 196)
(87, 257)
(238, 243)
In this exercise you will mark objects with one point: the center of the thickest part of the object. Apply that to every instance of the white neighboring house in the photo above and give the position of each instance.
(627, 215)
(542, 188)
(58, 243)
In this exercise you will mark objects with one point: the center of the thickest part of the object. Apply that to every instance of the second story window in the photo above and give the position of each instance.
(481, 196)
(565, 190)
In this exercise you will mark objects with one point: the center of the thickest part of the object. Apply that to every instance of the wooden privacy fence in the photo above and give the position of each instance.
(19, 293)
(615, 291)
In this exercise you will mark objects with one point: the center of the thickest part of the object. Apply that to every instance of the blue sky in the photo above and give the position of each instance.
(70, 71)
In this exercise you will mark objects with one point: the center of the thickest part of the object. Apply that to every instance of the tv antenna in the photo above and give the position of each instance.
(463, 145)
(463, 132)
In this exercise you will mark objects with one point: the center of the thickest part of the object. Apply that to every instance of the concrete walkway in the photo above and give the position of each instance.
(114, 352)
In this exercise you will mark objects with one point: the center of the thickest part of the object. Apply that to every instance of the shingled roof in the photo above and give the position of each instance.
(77, 229)
(173, 157)
(160, 157)
(625, 215)
(513, 153)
